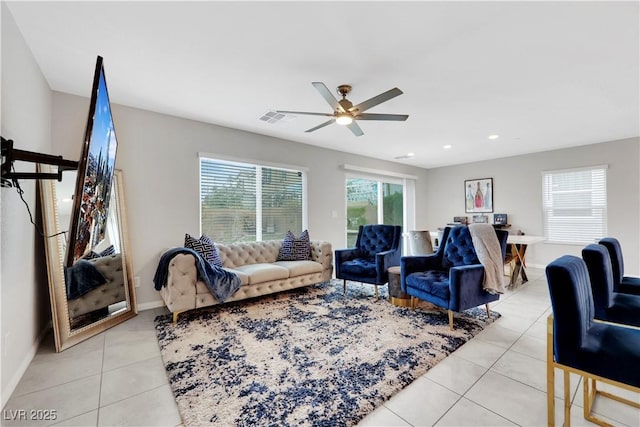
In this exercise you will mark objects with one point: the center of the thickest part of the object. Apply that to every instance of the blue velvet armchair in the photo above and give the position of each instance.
(598, 352)
(609, 305)
(377, 248)
(621, 283)
(452, 278)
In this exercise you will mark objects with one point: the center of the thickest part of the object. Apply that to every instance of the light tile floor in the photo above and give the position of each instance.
(498, 378)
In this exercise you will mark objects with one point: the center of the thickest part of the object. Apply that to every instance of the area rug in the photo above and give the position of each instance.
(305, 357)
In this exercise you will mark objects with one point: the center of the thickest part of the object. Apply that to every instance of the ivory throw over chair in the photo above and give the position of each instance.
(609, 305)
(621, 283)
(576, 344)
(377, 249)
(452, 278)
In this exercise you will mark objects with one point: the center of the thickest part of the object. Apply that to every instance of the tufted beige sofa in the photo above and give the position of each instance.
(255, 263)
(113, 291)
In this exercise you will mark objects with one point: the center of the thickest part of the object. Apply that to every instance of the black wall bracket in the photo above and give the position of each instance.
(10, 154)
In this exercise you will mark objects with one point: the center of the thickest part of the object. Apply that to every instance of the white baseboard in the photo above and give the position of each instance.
(150, 305)
(26, 361)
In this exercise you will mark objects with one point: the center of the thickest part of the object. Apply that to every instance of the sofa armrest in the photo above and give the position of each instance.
(321, 252)
(179, 294)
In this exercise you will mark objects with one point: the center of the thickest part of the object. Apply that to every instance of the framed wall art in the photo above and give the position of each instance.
(478, 195)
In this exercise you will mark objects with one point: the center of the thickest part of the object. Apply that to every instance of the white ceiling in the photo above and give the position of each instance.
(542, 75)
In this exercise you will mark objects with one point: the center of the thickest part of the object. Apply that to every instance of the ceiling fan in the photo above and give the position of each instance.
(345, 113)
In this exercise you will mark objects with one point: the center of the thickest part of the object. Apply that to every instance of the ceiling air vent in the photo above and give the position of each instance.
(272, 117)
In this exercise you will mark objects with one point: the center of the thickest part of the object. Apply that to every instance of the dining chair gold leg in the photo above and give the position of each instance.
(488, 311)
(376, 292)
(344, 287)
(450, 320)
(551, 381)
(567, 400)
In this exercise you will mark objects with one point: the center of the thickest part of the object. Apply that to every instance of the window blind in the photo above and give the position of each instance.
(575, 205)
(281, 203)
(247, 202)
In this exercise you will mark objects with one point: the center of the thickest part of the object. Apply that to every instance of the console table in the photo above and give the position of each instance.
(518, 246)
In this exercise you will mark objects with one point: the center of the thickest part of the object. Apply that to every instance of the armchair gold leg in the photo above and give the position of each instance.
(450, 320)
(376, 292)
(488, 311)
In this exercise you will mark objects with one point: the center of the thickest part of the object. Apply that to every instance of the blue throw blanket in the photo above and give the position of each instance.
(81, 278)
(220, 282)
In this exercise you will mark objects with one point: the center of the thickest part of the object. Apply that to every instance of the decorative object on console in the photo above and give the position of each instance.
(205, 247)
(478, 194)
(461, 219)
(295, 248)
(304, 357)
(500, 219)
(482, 219)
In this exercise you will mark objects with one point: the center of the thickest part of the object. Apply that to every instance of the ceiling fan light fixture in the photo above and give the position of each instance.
(344, 119)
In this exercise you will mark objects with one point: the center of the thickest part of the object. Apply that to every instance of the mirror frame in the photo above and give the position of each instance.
(55, 257)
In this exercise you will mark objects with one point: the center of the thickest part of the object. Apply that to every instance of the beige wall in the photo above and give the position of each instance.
(517, 191)
(24, 295)
(159, 157)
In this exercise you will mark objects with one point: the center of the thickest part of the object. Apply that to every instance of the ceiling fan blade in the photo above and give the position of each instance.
(304, 113)
(327, 95)
(355, 129)
(379, 99)
(390, 117)
(321, 125)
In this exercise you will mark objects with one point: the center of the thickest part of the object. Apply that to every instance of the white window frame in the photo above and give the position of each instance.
(259, 165)
(548, 207)
(408, 183)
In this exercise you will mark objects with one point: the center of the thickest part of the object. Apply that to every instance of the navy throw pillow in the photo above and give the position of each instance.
(205, 247)
(295, 248)
(93, 255)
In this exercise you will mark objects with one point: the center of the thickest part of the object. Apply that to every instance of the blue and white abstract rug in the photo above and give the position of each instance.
(310, 356)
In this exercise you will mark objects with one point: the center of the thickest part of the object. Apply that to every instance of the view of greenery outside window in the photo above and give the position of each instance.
(244, 202)
(575, 205)
(364, 199)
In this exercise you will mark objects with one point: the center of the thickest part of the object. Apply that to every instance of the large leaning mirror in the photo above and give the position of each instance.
(97, 291)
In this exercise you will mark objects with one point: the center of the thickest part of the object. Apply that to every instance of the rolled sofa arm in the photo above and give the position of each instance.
(180, 292)
(321, 252)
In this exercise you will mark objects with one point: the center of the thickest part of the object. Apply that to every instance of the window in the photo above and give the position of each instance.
(248, 202)
(574, 204)
(372, 202)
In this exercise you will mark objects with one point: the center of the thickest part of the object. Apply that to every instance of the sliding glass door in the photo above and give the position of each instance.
(372, 201)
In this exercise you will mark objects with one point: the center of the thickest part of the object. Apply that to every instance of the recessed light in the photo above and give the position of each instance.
(410, 154)
(447, 147)
(494, 136)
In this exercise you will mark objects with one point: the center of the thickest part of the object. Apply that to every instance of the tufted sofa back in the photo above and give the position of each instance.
(458, 249)
(376, 238)
(244, 253)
